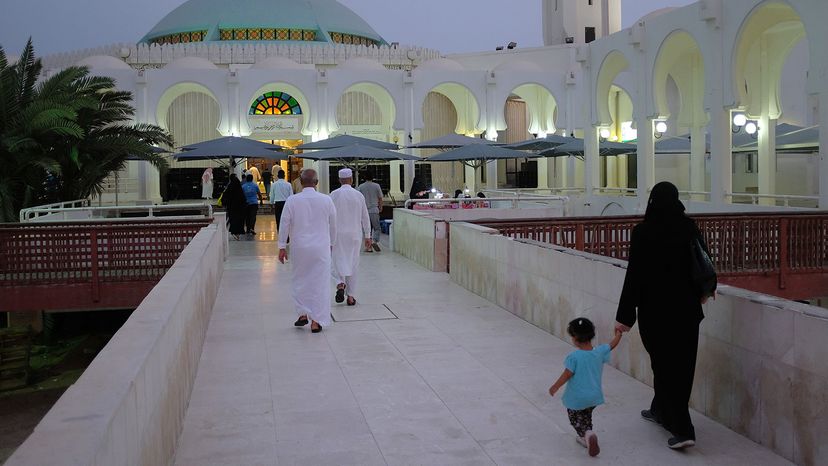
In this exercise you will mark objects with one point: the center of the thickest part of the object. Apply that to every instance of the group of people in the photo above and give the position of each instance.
(241, 201)
(326, 235)
(660, 294)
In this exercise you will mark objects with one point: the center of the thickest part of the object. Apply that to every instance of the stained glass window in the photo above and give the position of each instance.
(275, 103)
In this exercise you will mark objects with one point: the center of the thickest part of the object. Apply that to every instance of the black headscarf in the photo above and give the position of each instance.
(664, 203)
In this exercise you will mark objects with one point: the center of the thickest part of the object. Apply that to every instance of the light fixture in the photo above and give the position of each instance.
(660, 129)
(433, 190)
(498, 48)
(739, 121)
(511, 45)
(604, 133)
(751, 128)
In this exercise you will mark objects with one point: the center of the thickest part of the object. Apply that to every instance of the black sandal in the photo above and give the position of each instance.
(340, 294)
(351, 301)
(301, 322)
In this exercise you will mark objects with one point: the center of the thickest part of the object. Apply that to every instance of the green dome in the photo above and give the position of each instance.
(263, 20)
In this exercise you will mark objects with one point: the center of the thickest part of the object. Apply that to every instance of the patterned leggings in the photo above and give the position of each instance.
(581, 420)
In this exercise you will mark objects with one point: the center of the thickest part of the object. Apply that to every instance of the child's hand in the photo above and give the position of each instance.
(619, 333)
(552, 390)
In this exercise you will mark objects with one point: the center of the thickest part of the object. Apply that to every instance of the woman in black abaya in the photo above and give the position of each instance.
(235, 203)
(659, 293)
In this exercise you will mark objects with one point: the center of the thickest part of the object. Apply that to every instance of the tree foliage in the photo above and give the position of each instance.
(72, 127)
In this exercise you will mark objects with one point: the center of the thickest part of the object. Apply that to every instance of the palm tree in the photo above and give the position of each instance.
(73, 125)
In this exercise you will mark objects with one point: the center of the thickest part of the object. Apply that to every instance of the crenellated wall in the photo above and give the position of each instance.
(762, 362)
(128, 406)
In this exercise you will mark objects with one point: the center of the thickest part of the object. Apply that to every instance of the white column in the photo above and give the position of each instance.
(543, 173)
(592, 174)
(471, 179)
(698, 147)
(645, 161)
(395, 180)
(767, 159)
(491, 174)
(612, 171)
(721, 156)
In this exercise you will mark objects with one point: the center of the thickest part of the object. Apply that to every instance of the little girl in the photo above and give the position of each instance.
(583, 372)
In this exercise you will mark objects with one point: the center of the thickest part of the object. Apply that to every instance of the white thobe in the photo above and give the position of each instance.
(309, 220)
(352, 228)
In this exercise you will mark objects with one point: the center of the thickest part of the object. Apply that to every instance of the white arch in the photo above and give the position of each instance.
(680, 57)
(177, 90)
(381, 96)
(465, 103)
(542, 107)
(613, 64)
(279, 86)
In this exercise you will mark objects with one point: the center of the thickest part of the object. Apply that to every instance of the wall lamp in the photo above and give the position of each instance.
(741, 121)
(660, 129)
(604, 134)
(511, 45)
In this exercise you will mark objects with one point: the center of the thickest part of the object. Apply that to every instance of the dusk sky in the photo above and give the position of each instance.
(450, 26)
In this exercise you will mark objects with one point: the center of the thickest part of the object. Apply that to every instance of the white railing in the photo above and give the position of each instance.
(36, 211)
(780, 200)
(533, 192)
(487, 202)
(607, 191)
(57, 214)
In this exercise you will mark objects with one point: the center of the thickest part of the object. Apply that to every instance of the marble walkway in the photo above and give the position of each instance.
(421, 372)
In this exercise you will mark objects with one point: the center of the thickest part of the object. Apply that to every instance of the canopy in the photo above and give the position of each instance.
(232, 147)
(345, 140)
(789, 138)
(475, 155)
(549, 142)
(452, 141)
(357, 152)
(576, 148)
(677, 145)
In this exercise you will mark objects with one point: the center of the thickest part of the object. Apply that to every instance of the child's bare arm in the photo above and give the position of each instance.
(565, 376)
(617, 339)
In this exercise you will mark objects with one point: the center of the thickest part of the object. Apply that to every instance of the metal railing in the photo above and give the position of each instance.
(61, 214)
(34, 212)
(739, 244)
(65, 253)
(780, 200)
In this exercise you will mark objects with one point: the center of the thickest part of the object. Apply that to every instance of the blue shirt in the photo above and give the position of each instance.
(251, 192)
(583, 390)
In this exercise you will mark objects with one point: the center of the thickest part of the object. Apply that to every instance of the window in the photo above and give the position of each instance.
(589, 35)
(275, 103)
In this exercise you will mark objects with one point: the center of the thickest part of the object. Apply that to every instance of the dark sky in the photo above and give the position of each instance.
(450, 26)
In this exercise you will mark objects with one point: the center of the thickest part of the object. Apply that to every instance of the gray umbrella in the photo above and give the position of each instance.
(549, 142)
(677, 145)
(232, 147)
(356, 155)
(789, 138)
(576, 148)
(346, 140)
(452, 141)
(476, 155)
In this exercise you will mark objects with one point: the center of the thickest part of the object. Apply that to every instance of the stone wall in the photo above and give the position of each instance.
(763, 362)
(414, 237)
(128, 406)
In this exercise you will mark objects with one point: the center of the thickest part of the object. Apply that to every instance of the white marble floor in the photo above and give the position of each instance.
(449, 378)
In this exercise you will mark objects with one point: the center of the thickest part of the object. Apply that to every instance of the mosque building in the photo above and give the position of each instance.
(293, 72)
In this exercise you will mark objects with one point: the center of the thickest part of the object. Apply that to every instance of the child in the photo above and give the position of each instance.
(583, 372)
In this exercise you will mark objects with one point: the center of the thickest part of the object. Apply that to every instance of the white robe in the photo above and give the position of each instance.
(309, 220)
(353, 226)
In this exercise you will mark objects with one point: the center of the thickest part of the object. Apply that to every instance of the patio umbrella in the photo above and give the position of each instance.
(576, 148)
(549, 142)
(789, 138)
(346, 140)
(677, 145)
(230, 147)
(452, 141)
(355, 155)
(476, 155)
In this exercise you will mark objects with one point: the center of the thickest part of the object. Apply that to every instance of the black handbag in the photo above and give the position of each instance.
(702, 271)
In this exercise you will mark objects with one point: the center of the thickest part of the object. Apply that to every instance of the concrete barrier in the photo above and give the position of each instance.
(762, 362)
(128, 407)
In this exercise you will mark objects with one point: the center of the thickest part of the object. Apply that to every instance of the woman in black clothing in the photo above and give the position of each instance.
(658, 285)
(236, 206)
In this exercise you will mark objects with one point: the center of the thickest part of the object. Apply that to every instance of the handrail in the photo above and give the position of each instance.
(27, 212)
(755, 198)
(96, 213)
(474, 200)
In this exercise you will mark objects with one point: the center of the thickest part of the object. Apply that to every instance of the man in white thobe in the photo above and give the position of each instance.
(309, 220)
(353, 229)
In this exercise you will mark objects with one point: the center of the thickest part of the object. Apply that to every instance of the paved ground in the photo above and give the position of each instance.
(420, 372)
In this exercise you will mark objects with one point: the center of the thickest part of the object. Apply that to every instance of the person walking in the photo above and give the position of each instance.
(660, 294)
(353, 229)
(235, 205)
(373, 201)
(251, 195)
(280, 191)
(309, 220)
(582, 376)
(207, 183)
(267, 177)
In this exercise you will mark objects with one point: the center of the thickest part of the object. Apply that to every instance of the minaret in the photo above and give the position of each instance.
(579, 21)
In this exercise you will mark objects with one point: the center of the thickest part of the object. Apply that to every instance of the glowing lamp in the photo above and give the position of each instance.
(605, 133)
(661, 127)
(751, 128)
(739, 119)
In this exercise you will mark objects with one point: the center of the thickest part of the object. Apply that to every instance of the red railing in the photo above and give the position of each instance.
(87, 265)
(747, 249)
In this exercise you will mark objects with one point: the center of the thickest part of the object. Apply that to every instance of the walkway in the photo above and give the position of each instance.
(420, 372)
